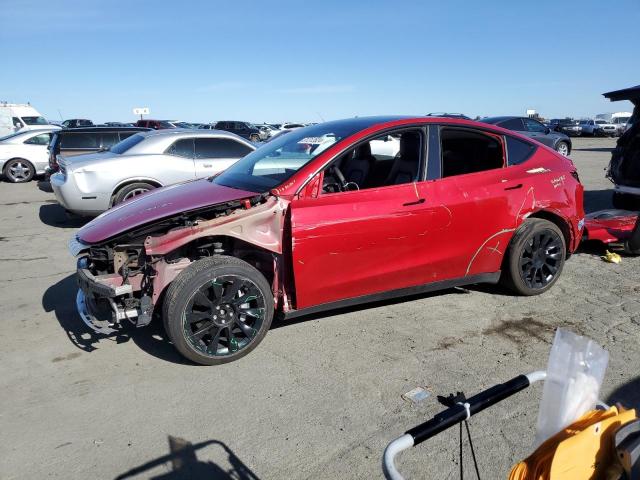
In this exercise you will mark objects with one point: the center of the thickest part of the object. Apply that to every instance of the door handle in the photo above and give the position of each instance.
(417, 202)
(513, 187)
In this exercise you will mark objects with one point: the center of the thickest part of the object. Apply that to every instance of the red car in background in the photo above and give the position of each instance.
(331, 215)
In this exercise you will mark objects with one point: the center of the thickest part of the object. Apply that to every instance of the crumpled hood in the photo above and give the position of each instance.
(157, 205)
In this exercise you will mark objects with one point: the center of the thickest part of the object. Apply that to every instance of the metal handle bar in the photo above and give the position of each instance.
(452, 416)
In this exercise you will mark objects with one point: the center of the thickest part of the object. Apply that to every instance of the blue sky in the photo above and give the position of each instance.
(306, 61)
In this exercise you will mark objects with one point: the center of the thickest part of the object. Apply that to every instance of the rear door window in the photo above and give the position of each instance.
(42, 139)
(466, 151)
(182, 148)
(80, 141)
(533, 126)
(220, 148)
(108, 139)
(512, 124)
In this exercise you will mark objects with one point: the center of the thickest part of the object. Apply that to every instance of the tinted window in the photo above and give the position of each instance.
(34, 121)
(182, 148)
(518, 150)
(467, 151)
(126, 144)
(42, 139)
(220, 148)
(512, 124)
(109, 139)
(533, 126)
(79, 140)
(124, 135)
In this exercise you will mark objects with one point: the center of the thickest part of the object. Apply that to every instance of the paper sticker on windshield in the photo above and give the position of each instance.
(312, 140)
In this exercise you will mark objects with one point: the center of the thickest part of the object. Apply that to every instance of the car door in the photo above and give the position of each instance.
(36, 150)
(482, 197)
(363, 242)
(215, 154)
(178, 164)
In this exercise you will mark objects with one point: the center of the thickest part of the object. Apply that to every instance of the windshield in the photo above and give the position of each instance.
(601, 122)
(278, 160)
(126, 144)
(35, 121)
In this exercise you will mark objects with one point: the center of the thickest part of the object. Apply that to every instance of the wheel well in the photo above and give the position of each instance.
(129, 182)
(559, 222)
(259, 258)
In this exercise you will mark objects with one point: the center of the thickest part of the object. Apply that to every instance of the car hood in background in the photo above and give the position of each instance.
(156, 205)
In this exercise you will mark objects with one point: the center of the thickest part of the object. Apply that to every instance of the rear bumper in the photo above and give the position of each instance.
(72, 199)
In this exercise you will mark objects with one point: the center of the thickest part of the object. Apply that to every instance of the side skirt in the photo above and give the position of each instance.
(402, 292)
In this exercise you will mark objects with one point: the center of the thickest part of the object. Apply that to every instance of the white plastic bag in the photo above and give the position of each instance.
(574, 375)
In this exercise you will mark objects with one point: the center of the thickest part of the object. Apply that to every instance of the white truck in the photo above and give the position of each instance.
(16, 117)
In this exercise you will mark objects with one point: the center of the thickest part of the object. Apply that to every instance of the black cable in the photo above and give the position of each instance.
(461, 468)
(473, 452)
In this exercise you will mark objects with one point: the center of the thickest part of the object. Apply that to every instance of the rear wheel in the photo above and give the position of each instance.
(132, 190)
(19, 170)
(535, 257)
(254, 137)
(563, 148)
(218, 310)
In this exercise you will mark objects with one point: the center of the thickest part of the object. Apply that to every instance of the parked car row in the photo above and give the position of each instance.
(590, 127)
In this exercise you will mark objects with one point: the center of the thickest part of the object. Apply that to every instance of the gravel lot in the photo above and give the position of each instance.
(319, 398)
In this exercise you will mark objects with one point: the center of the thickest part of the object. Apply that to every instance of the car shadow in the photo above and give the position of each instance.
(55, 216)
(185, 465)
(60, 298)
(594, 149)
(628, 395)
(281, 321)
(44, 186)
(595, 200)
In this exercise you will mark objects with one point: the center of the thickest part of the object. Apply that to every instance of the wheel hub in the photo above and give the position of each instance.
(223, 315)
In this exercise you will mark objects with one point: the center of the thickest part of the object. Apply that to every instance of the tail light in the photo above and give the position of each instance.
(574, 174)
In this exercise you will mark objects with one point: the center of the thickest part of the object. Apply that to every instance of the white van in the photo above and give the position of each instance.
(16, 117)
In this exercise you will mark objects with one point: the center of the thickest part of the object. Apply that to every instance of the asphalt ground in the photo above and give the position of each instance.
(319, 398)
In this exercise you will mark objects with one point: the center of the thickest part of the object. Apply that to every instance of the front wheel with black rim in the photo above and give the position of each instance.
(217, 310)
(19, 170)
(535, 257)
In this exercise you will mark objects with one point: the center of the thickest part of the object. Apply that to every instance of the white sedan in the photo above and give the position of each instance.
(24, 154)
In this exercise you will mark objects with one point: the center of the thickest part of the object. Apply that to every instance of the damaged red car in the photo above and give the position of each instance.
(330, 215)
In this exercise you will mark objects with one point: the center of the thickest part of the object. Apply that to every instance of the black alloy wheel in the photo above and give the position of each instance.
(541, 259)
(218, 309)
(224, 315)
(535, 257)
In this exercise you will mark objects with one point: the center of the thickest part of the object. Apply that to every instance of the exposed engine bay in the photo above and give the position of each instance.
(124, 278)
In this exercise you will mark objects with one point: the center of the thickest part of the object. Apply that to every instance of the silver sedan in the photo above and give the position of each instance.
(90, 184)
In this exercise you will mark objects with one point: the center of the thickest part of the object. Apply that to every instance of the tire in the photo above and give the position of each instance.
(254, 138)
(195, 299)
(19, 170)
(522, 263)
(563, 148)
(624, 201)
(132, 190)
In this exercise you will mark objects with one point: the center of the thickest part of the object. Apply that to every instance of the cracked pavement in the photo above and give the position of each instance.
(319, 398)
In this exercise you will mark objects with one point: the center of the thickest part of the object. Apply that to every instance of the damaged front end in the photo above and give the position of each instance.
(123, 278)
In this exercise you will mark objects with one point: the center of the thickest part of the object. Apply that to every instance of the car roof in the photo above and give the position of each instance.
(190, 132)
(103, 129)
(498, 119)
